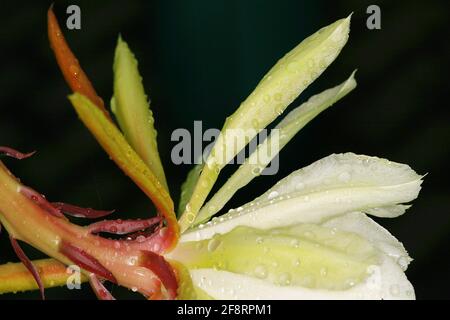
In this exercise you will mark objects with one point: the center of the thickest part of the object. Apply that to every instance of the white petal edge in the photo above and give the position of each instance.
(362, 225)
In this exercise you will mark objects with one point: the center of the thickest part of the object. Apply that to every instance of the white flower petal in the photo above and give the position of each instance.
(364, 226)
(261, 157)
(335, 185)
(307, 255)
(386, 282)
(389, 211)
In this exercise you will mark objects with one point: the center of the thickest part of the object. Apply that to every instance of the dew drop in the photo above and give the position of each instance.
(300, 186)
(213, 244)
(279, 109)
(256, 171)
(163, 232)
(284, 279)
(140, 239)
(211, 209)
(74, 70)
(272, 195)
(345, 177)
(260, 271)
(295, 243)
(190, 217)
(350, 282)
(394, 290)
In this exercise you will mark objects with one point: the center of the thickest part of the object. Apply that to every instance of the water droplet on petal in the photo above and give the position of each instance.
(295, 243)
(345, 177)
(279, 109)
(260, 271)
(394, 290)
(300, 186)
(213, 244)
(256, 171)
(211, 209)
(259, 240)
(272, 195)
(284, 279)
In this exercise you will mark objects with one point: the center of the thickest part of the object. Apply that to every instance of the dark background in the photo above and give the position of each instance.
(199, 60)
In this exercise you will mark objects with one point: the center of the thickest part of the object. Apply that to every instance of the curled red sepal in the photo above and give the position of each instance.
(14, 153)
(85, 261)
(123, 226)
(40, 200)
(163, 270)
(80, 212)
(99, 289)
(28, 264)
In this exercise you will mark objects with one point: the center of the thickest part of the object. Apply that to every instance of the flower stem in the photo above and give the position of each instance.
(15, 277)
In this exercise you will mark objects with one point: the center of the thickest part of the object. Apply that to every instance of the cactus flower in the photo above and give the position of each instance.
(308, 237)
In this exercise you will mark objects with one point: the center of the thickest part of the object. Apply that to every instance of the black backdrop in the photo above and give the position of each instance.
(199, 59)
